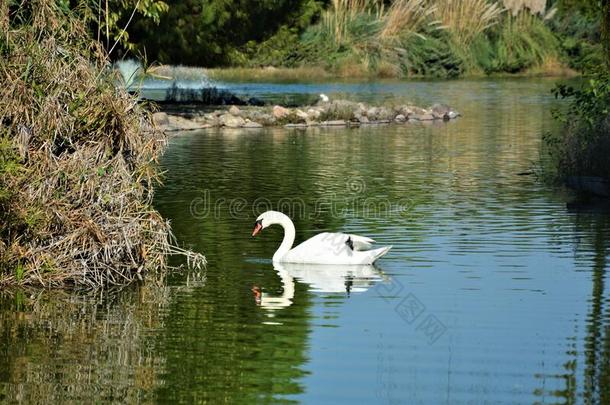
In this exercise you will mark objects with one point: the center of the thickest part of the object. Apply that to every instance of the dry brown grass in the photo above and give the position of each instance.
(297, 74)
(341, 14)
(466, 19)
(406, 17)
(77, 207)
(551, 66)
(353, 67)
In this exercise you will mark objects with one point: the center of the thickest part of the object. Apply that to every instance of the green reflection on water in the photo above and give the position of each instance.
(204, 339)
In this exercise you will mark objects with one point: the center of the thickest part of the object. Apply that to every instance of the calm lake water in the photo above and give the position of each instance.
(494, 290)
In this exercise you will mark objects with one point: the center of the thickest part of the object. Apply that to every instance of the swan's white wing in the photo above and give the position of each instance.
(361, 242)
(336, 240)
(335, 248)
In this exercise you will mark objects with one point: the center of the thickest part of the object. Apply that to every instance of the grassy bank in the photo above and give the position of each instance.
(77, 171)
(373, 38)
(270, 73)
(314, 74)
(413, 38)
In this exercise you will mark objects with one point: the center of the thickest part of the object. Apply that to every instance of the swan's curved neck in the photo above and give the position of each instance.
(289, 234)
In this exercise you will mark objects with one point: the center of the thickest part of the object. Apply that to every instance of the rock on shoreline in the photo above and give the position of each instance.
(338, 113)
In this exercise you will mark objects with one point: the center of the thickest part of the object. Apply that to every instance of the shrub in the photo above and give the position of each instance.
(582, 147)
(430, 55)
(522, 42)
(77, 169)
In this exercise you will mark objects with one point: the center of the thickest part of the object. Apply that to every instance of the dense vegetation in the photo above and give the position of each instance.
(401, 38)
(212, 32)
(582, 147)
(76, 168)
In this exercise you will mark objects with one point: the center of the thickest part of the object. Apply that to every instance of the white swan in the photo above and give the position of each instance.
(325, 248)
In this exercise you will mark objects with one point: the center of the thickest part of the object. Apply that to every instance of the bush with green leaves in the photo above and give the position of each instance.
(582, 146)
(218, 32)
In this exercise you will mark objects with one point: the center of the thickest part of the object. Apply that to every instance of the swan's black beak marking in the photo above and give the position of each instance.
(349, 242)
(258, 225)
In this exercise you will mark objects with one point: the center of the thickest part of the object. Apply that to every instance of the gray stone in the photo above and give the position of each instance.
(280, 112)
(231, 121)
(334, 123)
(265, 119)
(406, 110)
(385, 114)
(363, 119)
(160, 119)
(252, 125)
(313, 114)
(234, 110)
(373, 113)
(423, 117)
(417, 110)
(400, 118)
(301, 114)
(439, 111)
(210, 119)
(176, 123)
(361, 109)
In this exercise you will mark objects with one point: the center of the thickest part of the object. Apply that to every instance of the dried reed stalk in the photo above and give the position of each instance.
(406, 17)
(466, 19)
(77, 203)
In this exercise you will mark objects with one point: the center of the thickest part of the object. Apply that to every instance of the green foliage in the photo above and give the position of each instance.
(214, 32)
(578, 26)
(587, 104)
(351, 36)
(356, 42)
(9, 166)
(19, 271)
(431, 55)
(582, 146)
(362, 48)
(110, 20)
(284, 48)
(521, 42)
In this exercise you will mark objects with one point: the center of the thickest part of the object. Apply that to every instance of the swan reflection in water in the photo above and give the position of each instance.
(323, 278)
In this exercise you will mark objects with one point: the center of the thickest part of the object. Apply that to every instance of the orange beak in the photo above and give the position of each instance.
(257, 228)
